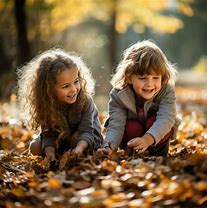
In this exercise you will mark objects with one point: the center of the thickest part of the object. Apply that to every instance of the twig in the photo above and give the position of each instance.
(11, 168)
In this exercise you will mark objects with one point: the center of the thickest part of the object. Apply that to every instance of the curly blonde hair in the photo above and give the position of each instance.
(143, 58)
(35, 90)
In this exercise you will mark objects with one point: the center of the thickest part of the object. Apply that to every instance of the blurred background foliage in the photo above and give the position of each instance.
(99, 31)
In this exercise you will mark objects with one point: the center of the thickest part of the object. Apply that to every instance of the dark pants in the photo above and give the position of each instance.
(134, 128)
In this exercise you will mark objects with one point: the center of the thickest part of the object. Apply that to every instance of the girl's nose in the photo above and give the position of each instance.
(73, 88)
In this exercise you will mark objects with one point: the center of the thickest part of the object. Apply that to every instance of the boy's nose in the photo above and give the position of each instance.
(149, 82)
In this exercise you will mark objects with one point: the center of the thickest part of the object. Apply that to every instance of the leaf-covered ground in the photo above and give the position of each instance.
(119, 180)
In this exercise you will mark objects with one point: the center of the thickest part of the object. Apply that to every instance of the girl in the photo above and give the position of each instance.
(56, 87)
(142, 105)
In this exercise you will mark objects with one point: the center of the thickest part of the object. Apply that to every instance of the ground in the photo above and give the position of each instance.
(117, 180)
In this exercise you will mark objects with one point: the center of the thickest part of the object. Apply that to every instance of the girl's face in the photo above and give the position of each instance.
(67, 86)
(146, 86)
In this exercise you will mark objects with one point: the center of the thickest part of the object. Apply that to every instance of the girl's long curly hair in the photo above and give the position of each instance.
(35, 90)
(143, 58)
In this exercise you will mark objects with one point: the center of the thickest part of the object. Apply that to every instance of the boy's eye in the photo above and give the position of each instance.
(157, 77)
(141, 77)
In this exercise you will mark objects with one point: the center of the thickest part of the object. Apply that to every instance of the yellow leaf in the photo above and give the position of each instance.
(54, 183)
(17, 192)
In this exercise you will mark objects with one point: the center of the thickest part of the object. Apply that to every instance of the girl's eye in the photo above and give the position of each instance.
(77, 81)
(65, 86)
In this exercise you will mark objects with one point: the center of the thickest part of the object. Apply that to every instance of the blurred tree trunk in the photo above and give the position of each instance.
(113, 37)
(5, 62)
(23, 49)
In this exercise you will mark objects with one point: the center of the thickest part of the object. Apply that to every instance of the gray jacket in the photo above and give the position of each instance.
(122, 107)
(87, 125)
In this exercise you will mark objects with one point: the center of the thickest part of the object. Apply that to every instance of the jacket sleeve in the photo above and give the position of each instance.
(166, 114)
(48, 139)
(89, 128)
(116, 121)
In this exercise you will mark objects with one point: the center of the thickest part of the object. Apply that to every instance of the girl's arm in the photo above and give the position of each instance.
(80, 147)
(48, 143)
(89, 128)
(48, 139)
(50, 153)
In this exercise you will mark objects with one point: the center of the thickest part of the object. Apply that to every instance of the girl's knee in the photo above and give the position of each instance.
(35, 147)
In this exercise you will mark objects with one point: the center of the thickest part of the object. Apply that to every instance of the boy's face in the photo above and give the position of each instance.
(147, 85)
(67, 86)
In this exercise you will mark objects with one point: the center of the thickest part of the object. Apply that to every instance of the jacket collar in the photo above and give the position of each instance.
(127, 96)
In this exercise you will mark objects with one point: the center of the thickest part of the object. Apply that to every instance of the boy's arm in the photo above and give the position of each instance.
(166, 115)
(115, 123)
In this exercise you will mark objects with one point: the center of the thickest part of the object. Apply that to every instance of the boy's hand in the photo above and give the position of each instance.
(50, 153)
(140, 144)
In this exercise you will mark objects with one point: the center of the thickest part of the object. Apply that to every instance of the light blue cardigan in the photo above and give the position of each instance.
(122, 107)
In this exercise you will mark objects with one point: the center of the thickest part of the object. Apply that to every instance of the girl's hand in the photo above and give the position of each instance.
(140, 144)
(104, 151)
(77, 151)
(50, 153)
(80, 147)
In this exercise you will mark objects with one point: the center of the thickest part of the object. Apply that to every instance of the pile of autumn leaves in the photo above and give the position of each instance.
(116, 180)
